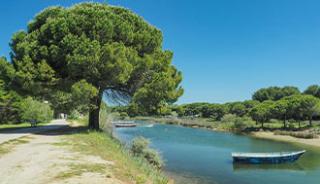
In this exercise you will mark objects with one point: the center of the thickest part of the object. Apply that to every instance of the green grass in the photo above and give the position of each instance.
(79, 169)
(82, 121)
(126, 167)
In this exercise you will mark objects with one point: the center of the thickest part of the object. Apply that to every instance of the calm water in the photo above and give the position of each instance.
(204, 157)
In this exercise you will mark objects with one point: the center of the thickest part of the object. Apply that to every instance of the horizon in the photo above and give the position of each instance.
(226, 50)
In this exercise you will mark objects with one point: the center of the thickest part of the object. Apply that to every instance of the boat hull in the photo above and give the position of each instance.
(272, 159)
(125, 125)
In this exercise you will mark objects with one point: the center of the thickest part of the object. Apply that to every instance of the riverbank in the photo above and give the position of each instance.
(71, 154)
(254, 131)
(187, 122)
(285, 138)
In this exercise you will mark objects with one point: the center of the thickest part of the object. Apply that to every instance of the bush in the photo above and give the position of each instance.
(32, 110)
(139, 144)
(228, 118)
(74, 115)
(153, 157)
(123, 115)
(140, 148)
(237, 124)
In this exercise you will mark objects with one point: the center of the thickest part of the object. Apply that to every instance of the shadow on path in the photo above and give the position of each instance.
(55, 128)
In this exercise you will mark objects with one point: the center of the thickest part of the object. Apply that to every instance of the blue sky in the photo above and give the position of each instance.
(226, 49)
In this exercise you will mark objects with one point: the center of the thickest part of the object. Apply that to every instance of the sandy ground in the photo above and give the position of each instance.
(270, 135)
(43, 161)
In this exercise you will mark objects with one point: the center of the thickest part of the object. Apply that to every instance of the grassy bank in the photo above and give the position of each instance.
(198, 123)
(125, 167)
(274, 128)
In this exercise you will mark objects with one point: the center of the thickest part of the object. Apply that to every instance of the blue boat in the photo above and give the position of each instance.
(271, 158)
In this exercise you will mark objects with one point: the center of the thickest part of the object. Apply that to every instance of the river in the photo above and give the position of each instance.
(199, 156)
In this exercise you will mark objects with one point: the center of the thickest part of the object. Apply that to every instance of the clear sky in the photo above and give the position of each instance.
(226, 49)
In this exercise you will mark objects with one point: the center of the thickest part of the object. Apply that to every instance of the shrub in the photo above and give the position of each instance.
(228, 118)
(139, 144)
(236, 123)
(153, 157)
(32, 110)
(74, 115)
(140, 148)
(239, 125)
(123, 115)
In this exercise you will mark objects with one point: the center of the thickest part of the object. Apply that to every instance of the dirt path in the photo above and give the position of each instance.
(39, 159)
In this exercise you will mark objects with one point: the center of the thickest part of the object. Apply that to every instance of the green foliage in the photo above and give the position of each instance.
(262, 113)
(228, 118)
(237, 124)
(140, 148)
(82, 92)
(206, 110)
(238, 109)
(74, 115)
(303, 107)
(274, 93)
(9, 106)
(178, 109)
(313, 90)
(152, 156)
(33, 110)
(95, 47)
(7, 73)
(9, 99)
(123, 115)
(281, 110)
(139, 144)
(162, 90)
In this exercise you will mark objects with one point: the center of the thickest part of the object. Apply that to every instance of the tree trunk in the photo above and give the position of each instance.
(284, 122)
(94, 113)
(262, 125)
(310, 121)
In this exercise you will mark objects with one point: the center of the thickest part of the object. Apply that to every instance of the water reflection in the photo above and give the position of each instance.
(238, 167)
(203, 156)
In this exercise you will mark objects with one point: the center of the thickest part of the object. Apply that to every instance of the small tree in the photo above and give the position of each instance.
(280, 110)
(262, 113)
(238, 109)
(309, 107)
(32, 110)
(313, 90)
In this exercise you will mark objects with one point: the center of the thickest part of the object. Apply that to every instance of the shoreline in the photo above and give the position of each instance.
(315, 142)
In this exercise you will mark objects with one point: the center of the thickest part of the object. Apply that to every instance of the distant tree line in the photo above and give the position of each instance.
(281, 103)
